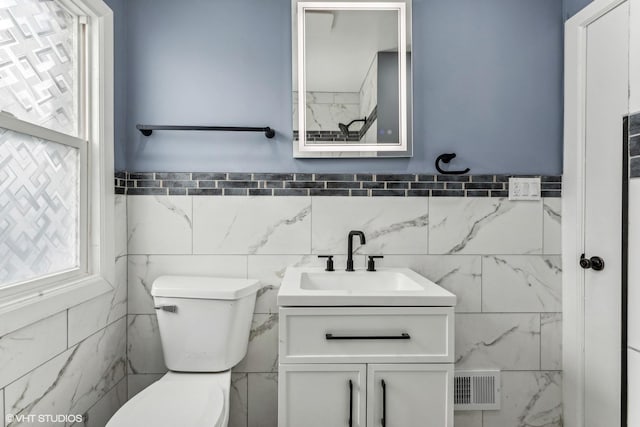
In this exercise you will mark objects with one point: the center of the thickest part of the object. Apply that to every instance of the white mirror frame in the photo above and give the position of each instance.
(302, 92)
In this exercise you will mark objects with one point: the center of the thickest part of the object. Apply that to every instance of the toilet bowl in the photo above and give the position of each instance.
(204, 325)
(178, 399)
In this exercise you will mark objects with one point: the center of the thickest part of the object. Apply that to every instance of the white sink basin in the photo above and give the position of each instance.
(385, 287)
(361, 281)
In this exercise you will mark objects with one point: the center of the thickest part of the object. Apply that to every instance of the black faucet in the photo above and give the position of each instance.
(350, 247)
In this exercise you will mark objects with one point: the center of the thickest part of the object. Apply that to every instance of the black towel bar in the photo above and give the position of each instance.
(147, 130)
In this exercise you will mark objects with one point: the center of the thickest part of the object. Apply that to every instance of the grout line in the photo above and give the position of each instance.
(459, 255)
(126, 315)
(247, 398)
(543, 214)
(540, 340)
(63, 351)
(482, 258)
(109, 391)
(67, 328)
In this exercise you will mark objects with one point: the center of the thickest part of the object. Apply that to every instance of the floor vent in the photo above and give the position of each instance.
(476, 390)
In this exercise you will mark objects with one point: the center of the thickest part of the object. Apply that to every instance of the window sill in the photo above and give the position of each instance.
(25, 311)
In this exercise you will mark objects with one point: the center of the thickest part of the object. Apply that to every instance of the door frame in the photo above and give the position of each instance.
(573, 189)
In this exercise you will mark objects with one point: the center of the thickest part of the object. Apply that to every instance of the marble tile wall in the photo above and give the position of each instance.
(633, 278)
(73, 362)
(634, 145)
(369, 100)
(326, 109)
(501, 258)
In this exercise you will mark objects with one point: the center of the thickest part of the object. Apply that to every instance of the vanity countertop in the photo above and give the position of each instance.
(390, 287)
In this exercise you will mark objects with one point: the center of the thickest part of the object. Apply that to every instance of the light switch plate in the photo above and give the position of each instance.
(524, 188)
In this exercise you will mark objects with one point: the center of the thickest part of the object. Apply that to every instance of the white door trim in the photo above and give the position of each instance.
(573, 189)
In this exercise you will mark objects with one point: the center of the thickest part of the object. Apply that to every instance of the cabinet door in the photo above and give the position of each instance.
(410, 395)
(322, 395)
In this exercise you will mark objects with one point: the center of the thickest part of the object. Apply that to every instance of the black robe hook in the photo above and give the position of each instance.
(447, 157)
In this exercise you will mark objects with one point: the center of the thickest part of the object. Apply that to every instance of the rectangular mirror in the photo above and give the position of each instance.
(352, 74)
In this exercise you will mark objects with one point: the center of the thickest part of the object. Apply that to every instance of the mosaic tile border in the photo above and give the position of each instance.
(321, 184)
(634, 145)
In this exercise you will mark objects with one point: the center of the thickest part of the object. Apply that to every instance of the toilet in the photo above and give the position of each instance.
(204, 326)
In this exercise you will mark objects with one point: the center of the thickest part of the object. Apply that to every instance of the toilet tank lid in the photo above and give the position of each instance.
(203, 287)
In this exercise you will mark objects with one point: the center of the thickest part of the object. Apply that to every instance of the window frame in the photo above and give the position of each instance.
(24, 302)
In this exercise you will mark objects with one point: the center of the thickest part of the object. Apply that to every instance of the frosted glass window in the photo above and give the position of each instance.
(39, 207)
(38, 63)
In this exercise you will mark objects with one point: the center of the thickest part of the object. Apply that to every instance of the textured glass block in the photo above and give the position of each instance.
(39, 208)
(37, 63)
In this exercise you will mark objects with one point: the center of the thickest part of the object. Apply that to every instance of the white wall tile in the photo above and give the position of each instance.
(459, 274)
(120, 224)
(259, 237)
(25, 349)
(144, 348)
(262, 354)
(504, 341)
(75, 380)
(238, 405)
(528, 399)
(633, 278)
(89, 317)
(522, 283)
(263, 400)
(252, 225)
(270, 269)
(346, 98)
(138, 382)
(634, 388)
(483, 225)
(103, 410)
(467, 418)
(327, 116)
(144, 269)
(395, 225)
(551, 341)
(634, 60)
(159, 224)
(552, 218)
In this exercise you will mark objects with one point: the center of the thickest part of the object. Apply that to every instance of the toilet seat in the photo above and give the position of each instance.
(178, 399)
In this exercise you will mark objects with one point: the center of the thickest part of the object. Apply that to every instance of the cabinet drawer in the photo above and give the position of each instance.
(366, 334)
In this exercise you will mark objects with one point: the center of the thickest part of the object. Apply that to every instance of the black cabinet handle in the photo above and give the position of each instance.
(383, 421)
(403, 336)
(350, 403)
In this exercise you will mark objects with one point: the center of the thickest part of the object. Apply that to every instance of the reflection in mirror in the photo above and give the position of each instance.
(348, 61)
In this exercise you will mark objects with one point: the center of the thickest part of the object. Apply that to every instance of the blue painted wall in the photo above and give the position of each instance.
(487, 84)
(120, 81)
(571, 7)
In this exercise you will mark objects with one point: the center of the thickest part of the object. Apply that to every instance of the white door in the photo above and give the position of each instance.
(607, 102)
(593, 198)
(410, 395)
(322, 395)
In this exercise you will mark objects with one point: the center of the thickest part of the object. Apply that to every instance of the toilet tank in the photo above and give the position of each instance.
(204, 322)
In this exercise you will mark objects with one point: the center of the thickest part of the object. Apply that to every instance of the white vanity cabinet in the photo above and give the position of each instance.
(335, 360)
(322, 395)
(413, 395)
